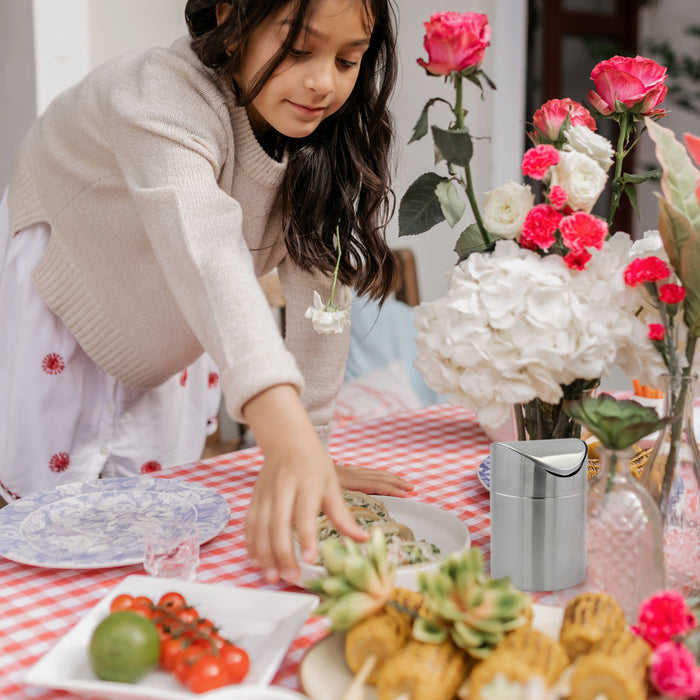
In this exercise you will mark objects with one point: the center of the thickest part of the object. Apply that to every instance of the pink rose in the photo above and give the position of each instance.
(673, 671)
(550, 117)
(649, 269)
(455, 42)
(537, 160)
(628, 84)
(539, 227)
(665, 614)
(581, 230)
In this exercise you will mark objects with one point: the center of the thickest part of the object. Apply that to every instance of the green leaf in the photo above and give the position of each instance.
(675, 230)
(421, 127)
(690, 278)
(453, 145)
(452, 206)
(420, 208)
(631, 194)
(471, 241)
(680, 175)
(637, 178)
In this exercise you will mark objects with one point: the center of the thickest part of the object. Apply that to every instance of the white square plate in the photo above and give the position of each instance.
(263, 622)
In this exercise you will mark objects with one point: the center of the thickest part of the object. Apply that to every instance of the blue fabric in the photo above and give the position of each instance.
(380, 336)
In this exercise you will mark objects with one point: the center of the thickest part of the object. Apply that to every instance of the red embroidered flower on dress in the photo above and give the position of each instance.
(540, 224)
(213, 380)
(671, 293)
(150, 467)
(59, 462)
(53, 363)
(538, 160)
(650, 269)
(582, 230)
(183, 377)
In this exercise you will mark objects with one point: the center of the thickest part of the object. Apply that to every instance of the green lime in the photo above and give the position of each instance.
(124, 647)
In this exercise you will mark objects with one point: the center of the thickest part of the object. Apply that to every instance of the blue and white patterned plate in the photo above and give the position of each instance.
(95, 524)
(484, 473)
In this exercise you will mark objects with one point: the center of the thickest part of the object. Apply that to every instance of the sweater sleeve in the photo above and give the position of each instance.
(171, 159)
(321, 358)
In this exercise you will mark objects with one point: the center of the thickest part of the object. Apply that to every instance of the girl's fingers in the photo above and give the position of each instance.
(338, 513)
(377, 481)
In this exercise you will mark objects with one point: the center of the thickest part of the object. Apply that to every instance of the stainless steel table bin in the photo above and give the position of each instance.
(538, 513)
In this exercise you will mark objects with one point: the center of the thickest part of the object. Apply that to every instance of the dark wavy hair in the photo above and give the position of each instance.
(339, 176)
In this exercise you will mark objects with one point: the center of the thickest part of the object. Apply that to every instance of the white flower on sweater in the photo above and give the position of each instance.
(515, 326)
(505, 209)
(327, 318)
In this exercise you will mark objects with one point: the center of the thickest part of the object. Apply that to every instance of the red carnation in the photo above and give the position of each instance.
(650, 269)
(578, 259)
(671, 293)
(557, 196)
(656, 331)
(537, 160)
(582, 230)
(539, 227)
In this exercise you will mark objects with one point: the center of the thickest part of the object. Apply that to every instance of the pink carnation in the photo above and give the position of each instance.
(665, 614)
(656, 331)
(581, 230)
(577, 260)
(557, 196)
(671, 293)
(550, 117)
(673, 671)
(537, 160)
(649, 269)
(539, 227)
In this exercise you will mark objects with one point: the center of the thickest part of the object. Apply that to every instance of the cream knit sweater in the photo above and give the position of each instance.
(164, 210)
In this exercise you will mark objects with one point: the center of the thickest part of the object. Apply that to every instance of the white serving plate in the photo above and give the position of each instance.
(325, 675)
(263, 622)
(428, 522)
(97, 524)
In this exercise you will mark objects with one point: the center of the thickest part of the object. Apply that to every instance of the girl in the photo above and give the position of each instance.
(144, 204)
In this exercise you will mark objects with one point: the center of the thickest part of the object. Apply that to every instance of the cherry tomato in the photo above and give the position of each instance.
(170, 652)
(142, 609)
(205, 626)
(207, 673)
(143, 600)
(187, 615)
(172, 601)
(124, 601)
(235, 660)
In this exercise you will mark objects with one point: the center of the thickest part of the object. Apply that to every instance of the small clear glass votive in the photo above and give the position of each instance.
(171, 550)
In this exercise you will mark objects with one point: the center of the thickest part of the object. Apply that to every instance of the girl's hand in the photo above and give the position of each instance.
(297, 481)
(354, 478)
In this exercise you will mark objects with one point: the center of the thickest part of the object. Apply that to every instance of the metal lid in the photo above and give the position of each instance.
(539, 468)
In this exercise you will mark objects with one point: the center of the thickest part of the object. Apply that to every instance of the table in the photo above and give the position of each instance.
(437, 448)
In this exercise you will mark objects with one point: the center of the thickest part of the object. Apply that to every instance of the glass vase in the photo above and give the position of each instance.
(539, 420)
(624, 535)
(672, 478)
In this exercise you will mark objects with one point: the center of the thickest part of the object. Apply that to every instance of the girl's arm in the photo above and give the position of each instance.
(297, 480)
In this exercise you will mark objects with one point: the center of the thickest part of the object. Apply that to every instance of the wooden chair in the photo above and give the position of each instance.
(406, 291)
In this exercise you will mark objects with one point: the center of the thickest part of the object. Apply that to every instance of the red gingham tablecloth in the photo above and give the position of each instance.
(437, 448)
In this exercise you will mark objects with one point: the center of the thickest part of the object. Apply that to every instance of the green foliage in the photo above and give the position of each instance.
(420, 208)
(471, 241)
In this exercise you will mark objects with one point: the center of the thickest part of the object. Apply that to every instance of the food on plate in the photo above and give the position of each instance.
(423, 671)
(588, 618)
(615, 668)
(124, 647)
(139, 634)
(369, 513)
(373, 640)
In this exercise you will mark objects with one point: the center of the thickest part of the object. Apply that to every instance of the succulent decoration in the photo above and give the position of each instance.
(617, 423)
(459, 600)
(474, 610)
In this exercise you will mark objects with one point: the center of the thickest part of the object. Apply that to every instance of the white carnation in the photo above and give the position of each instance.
(329, 318)
(505, 209)
(581, 177)
(515, 326)
(583, 140)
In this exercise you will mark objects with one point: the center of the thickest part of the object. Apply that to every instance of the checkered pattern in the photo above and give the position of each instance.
(437, 448)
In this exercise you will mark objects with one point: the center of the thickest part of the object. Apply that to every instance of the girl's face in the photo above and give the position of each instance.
(316, 78)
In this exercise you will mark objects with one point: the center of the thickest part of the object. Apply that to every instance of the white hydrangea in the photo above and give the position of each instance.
(515, 326)
(581, 177)
(505, 209)
(582, 139)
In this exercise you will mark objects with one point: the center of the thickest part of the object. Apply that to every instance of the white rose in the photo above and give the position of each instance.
(581, 177)
(505, 209)
(582, 139)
